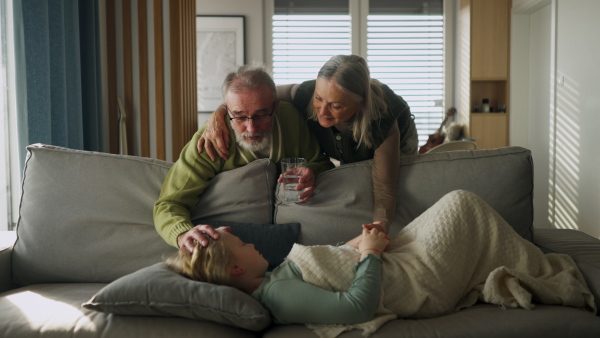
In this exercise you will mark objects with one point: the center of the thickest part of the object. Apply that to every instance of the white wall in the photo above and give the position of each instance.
(519, 74)
(577, 115)
(539, 110)
(252, 10)
(561, 110)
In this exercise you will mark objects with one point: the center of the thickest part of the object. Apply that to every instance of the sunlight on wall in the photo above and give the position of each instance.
(464, 99)
(564, 176)
(48, 314)
(463, 72)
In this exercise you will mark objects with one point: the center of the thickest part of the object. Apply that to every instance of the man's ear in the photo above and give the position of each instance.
(236, 270)
(276, 105)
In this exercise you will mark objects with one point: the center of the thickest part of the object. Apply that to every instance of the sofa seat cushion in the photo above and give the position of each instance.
(482, 320)
(343, 197)
(54, 310)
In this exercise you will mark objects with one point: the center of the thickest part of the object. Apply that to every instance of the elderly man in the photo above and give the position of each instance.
(259, 131)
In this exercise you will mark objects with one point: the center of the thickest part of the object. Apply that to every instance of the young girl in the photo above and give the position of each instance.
(229, 261)
(457, 252)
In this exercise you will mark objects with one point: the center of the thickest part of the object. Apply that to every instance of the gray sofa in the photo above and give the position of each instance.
(86, 228)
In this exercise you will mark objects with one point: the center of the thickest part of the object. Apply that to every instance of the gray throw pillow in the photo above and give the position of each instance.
(158, 291)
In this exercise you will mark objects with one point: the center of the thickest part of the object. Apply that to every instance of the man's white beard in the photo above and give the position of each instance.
(254, 146)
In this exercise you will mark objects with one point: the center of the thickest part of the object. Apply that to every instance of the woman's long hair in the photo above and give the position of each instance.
(208, 264)
(351, 74)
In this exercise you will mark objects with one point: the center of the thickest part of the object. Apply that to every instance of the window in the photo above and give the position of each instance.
(4, 128)
(9, 150)
(403, 43)
(305, 37)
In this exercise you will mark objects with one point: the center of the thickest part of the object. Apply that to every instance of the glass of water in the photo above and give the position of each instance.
(292, 171)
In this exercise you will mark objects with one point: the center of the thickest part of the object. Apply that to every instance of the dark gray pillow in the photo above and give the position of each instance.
(273, 241)
(158, 291)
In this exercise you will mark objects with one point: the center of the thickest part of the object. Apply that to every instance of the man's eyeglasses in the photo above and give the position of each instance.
(256, 118)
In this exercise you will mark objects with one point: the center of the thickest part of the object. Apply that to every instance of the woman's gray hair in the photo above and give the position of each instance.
(251, 76)
(351, 74)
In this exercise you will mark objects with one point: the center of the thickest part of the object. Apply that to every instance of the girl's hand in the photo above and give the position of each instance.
(373, 241)
(356, 241)
(376, 225)
(216, 135)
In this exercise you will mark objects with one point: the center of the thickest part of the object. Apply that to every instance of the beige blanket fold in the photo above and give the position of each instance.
(458, 251)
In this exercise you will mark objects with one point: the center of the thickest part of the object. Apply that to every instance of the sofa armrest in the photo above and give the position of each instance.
(7, 241)
(583, 248)
(5, 269)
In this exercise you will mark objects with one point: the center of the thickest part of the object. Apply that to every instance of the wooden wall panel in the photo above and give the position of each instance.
(159, 80)
(111, 57)
(144, 55)
(144, 77)
(127, 73)
(183, 73)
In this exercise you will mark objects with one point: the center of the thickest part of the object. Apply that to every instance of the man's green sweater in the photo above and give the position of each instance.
(192, 172)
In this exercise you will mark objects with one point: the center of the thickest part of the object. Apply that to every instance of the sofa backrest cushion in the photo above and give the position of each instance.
(241, 195)
(87, 216)
(343, 197)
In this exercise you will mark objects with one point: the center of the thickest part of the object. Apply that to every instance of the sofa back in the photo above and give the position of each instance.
(87, 216)
(343, 198)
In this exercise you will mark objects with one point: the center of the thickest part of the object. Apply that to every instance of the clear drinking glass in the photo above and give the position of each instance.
(292, 171)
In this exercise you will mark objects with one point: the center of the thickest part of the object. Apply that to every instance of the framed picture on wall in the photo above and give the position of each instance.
(220, 49)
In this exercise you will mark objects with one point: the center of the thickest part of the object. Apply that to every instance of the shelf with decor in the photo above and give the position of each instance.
(486, 26)
(495, 91)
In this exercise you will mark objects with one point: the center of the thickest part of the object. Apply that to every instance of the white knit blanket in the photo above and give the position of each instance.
(458, 251)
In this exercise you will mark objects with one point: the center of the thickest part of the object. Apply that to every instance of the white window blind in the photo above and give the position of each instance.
(406, 53)
(303, 43)
(305, 35)
(404, 47)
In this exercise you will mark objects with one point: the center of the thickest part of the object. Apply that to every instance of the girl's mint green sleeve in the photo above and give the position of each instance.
(292, 300)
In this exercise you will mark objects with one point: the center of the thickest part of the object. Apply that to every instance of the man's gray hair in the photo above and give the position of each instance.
(351, 73)
(251, 76)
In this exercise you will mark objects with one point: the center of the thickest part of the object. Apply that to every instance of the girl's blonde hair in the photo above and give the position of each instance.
(208, 264)
(351, 73)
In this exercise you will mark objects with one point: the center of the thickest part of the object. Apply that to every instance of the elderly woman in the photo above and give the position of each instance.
(354, 118)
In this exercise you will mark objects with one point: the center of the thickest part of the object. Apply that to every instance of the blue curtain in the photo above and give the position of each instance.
(59, 73)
